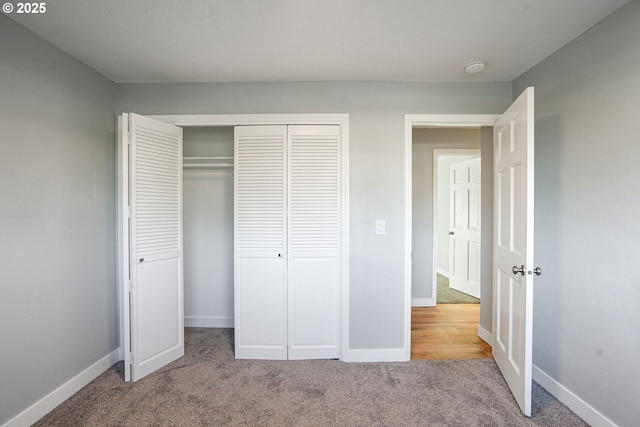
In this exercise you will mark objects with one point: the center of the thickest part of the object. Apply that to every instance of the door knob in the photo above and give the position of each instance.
(516, 270)
(451, 233)
(537, 271)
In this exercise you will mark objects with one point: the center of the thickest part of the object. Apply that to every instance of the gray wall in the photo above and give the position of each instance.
(376, 166)
(57, 218)
(424, 142)
(587, 237)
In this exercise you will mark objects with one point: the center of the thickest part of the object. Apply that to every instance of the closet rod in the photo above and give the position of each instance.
(219, 162)
(207, 158)
(207, 165)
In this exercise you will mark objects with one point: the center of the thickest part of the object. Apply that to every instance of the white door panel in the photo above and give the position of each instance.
(313, 303)
(513, 246)
(157, 332)
(156, 297)
(260, 293)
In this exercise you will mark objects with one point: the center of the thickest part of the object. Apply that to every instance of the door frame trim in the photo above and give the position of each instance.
(425, 121)
(224, 120)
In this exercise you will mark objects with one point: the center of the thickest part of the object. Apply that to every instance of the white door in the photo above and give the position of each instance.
(153, 303)
(314, 241)
(464, 212)
(260, 298)
(287, 242)
(513, 246)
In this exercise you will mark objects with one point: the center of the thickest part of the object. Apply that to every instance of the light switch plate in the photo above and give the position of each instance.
(381, 227)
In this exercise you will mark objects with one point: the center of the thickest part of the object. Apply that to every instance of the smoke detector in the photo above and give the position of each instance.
(475, 67)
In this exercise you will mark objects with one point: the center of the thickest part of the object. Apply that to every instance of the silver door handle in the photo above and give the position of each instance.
(516, 270)
(537, 271)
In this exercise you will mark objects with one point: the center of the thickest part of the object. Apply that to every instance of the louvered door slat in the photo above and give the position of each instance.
(157, 195)
(314, 191)
(260, 195)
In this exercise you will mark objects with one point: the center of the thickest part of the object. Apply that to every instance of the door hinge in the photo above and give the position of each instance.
(130, 286)
(130, 358)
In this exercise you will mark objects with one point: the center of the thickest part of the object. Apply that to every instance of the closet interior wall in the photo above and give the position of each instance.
(208, 226)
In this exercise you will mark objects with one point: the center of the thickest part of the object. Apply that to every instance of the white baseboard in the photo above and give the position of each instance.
(208, 322)
(485, 335)
(423, 302)
(443, 272)
(376, 355)
(581, 408)
(45, 405)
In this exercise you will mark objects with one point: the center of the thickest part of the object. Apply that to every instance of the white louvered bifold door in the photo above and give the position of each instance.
(260, 235)
(314, 241)
(157, 334)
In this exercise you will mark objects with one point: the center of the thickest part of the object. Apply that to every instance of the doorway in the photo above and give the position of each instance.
(446, 243)
(511, 253)
(444, 124)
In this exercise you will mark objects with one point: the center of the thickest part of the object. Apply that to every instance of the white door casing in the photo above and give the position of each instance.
(313, 242)
(260, 194)
(153, 301)
(513, 246)
(464, 222)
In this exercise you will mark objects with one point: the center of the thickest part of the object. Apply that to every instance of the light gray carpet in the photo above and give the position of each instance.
(447, 295)
(208, 387)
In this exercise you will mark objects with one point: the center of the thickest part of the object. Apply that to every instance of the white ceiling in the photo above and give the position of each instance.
(312, 40)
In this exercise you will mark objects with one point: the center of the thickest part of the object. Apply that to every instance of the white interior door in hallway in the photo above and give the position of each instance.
(287, 242)
(464, 233)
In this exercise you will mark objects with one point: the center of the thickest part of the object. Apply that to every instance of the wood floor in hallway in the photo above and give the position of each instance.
(447, 331)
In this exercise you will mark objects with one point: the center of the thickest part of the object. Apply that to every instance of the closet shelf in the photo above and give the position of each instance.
(207, 163)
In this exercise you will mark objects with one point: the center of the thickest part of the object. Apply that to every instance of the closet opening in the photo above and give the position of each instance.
(207, 184)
